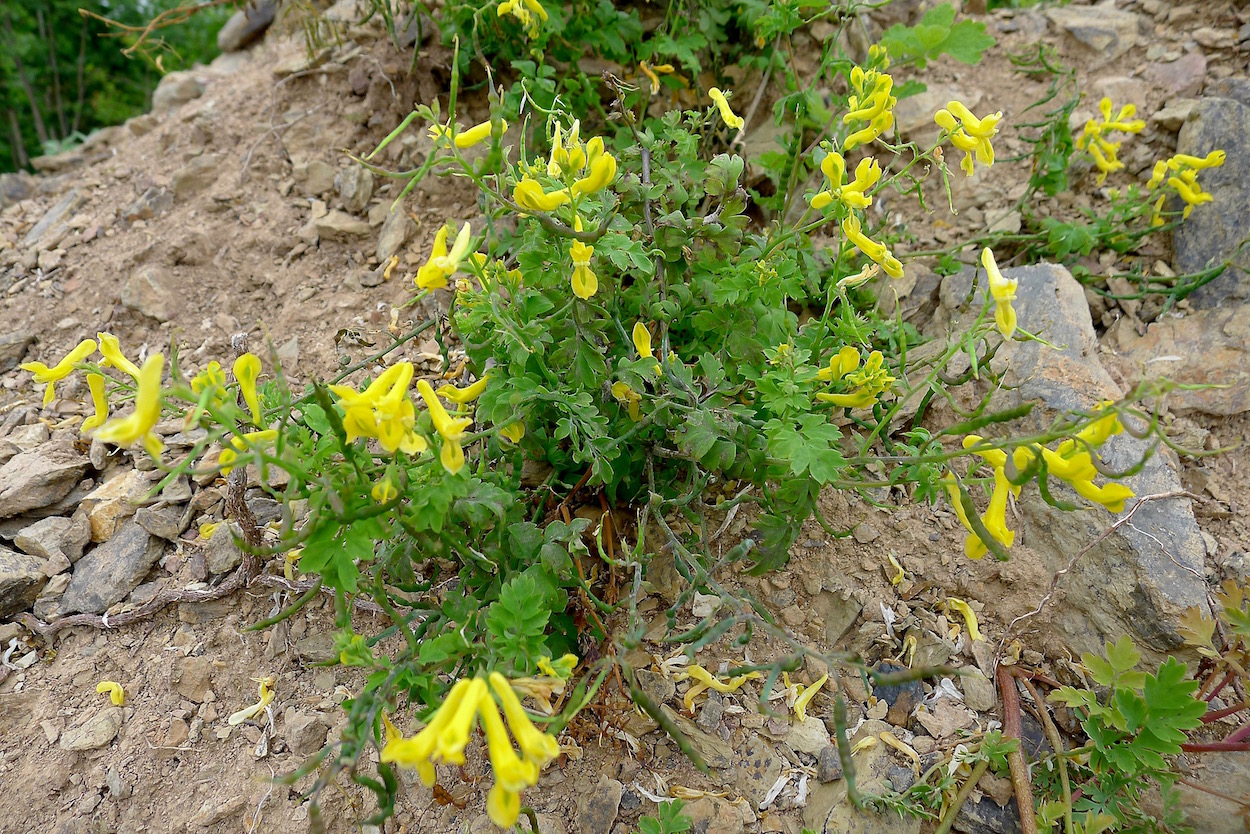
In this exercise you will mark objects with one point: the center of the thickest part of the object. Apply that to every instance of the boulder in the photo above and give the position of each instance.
(21, 580)
(1099, 34)
(111, 571)
(246, 25)
(195, 176)
(41, 477)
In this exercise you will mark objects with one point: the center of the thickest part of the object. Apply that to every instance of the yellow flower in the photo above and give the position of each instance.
(529, 195)
(970, 134)
(241, 444)
(653, 73)
(568, 155)
(623, 393)
(852, 194)
(1112, 496)
(450, 429)
(384, 491)
(208, 528)
(247, 371)
(96, 383)
(442, 264)
(970, 617)
(60, 370)
(512, 774)
(871, 102)
(1186, 185)
(529, 13)
(462, 396)
(584, 282)
(866, 384)
(265, 694)
(994, 518)
(840, 364)
(707, 681)
(601, 172)
(469, 137)
(727, 114)
(877, 252)
(642, 341)
(1003, 291)
(383, 411)
(111, 348)
(536, 746)
(513, 432)
(138, 426)
(416, 752)
(805, 697)
(211, 378)
(115, 692)
(1102, 150)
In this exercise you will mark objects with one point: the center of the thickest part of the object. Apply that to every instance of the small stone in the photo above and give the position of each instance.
(175, 89)
(53, 221)
(111, 571)
(153, 291)
(40, 478)
(901, 778)
(55, 535)
(316, 648)
(808, 736)
(152, 203)
(222, 554)
(1173, 114)
(13, 346)
(597, 812)
(192, 677)
(757, 770)
(712, 712)
(901, 698)
(865, 533)
(305, 732)
(714, 751)
(979, 692)
(195, 176)
(51, 730)
(166, 522)
(1104, 33)
(21, 579)
(655, 686)
(341, 226)
(114, 501)
(394, 234)
(713, 815)
(355, 188)
(1182, 78)
(98, 730)
(314, 177)
(828, 764)
(704, 605)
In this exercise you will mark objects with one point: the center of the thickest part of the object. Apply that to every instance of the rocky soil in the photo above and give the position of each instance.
(233, 208)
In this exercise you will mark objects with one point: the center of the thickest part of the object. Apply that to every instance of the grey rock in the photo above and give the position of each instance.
(394, 234)
(1141, 578)
(901, 778)
(1174, 113)
(931, 650)
(305, 732)
(1182, 78)
(143, 124)
(757, 768)
(339, 225)
(838, 611)
(288, 355)
(1227, 773)
(15, 187)
(1233, 87)
(655, 686)
(830, 811)
(40, 477)
(828, 764)
(151, 203)
(247, 25)
(55, 535)
(112, 570)
(48, 605)
(222, 553)
(808, 736)
(195, 176)
(153, 291)
(985, 816)
(355, 187)
(712, 712)
(979, 692)
(167, 523)
(54, 218)
(175, 89)
(597, 812)
(21, 580)
(192, 677)
(13, 346)
(1104, 34)
(901, 698)
(713, 815)
(95, 732)
(314, 177)
(714, 752)
(1214, 230)
(317, 647)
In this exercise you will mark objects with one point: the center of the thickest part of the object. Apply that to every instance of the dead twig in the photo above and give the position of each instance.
(1019, 767)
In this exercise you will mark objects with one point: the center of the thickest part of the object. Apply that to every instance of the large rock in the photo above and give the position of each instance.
(21, 580)
(35, 479)
(114, 501)
(175, 89)
(339, 225)
(246, 25)
(1101, 34)
(355, 187)
(1205, 347)
(195, 176)
(151, 290)
(597, 810)
(55, 536)
(1214, 230)
(1140, 579)
(111, 571)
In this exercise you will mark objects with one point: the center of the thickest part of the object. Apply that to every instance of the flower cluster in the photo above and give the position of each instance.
(861, 385)
(968, 133)
(853, 194)
(382, 411)
(1093, 138)
(529, 13)
(581, 168)
(447, 734)
(1071, 461)
(1180, 173)
(872, 103)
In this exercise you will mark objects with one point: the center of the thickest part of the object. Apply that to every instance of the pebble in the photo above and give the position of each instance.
(828, 764)
(97, 731)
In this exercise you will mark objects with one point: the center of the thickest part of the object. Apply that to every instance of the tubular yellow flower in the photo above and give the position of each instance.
(98, 399)
(529, 13)
(211, 378)
(442, 264)
(265, 694)
(449, 429)
(247, 371)
(871, 132)
(871, 102)
(1003, 292)
(995, 518)
(470, 136)
(840, 364)
(876, 252)
(584, 282)
(60, 370)
(111, 348)
(241, 444)
(384, 491)
(806, 696)
(1186, 185)
(416, 752)
(536, 746)
(513, 432)
(624, 394)
(529, 195)
(642, 341)
(382, 411)
(512, 773)
(866, 384)
(114, 690)
(727, 114)
(601, 172)
(1112, 496)
(138, 426)
(970, 134)
(463, 396)
(653, 73)
(970, 617)
(450, 744)
(706, 680)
